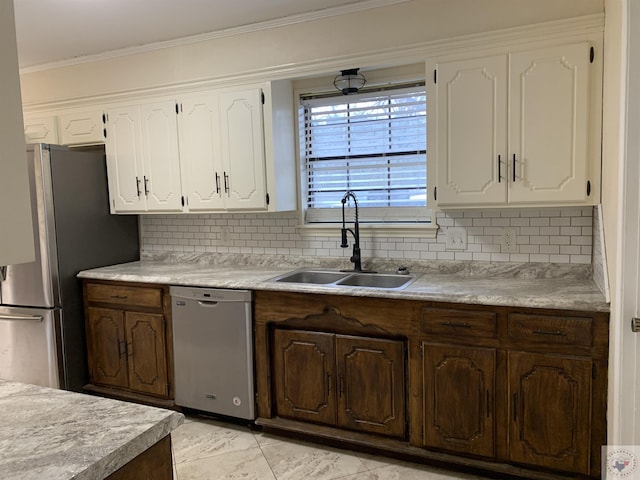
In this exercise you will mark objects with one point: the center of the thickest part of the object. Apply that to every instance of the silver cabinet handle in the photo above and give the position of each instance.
(21, 317)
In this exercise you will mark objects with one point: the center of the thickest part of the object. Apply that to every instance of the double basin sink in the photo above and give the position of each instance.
(393, 281)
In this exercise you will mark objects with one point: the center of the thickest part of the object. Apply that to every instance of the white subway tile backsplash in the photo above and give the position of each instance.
(542, 235)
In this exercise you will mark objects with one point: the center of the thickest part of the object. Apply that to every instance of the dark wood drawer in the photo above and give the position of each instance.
(550, 329)
(454, 322)
(124, 295)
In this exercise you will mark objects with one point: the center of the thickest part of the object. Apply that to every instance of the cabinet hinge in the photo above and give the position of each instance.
(267, 199)
(262, 96)
(592, 54)
(435, 76)
(588, 188)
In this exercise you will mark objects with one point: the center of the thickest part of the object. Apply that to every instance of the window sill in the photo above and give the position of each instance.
(409, 230)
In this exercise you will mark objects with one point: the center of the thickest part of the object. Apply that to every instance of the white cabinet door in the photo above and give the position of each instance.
(200, 155)
(161, 178)
(124, 159)
(242, 142)
(41, 129)
(471, 126)
(549, 125)
(81, 127)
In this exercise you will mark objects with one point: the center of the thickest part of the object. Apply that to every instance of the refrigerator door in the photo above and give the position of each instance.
(28, 351)
(36, 283)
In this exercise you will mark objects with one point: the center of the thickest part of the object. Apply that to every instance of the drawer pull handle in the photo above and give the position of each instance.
(119, 297)
(455, 324)
(555, 333)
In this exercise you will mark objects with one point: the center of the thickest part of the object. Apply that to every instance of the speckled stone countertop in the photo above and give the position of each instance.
(58, 435)
(517, 285)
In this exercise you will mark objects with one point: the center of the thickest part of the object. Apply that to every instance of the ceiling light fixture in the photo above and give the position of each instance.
(349, 81)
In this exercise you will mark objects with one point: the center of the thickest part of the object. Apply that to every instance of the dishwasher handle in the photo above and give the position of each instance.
(208, 303)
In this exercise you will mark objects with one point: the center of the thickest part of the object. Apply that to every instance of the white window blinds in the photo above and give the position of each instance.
(373, 144)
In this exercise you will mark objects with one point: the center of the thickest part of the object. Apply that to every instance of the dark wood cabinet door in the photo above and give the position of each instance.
(106, 347)
(459, 398)
(550, 411)
(146, 352)
(371, 390)
(304, 371)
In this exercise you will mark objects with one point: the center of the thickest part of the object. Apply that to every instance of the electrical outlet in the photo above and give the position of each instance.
(456, 238)
(509, 242)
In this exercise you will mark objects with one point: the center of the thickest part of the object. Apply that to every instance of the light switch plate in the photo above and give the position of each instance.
(456, 238)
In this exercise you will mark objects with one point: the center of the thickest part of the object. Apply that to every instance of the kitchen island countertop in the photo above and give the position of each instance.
(60, 435)
(487, 285)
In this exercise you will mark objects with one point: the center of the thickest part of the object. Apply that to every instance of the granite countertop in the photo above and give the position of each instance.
(59, 435)
(522, 285)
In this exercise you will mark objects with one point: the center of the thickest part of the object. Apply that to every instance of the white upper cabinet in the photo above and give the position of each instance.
(41, 129)
(142, 158)
(200, 155)
(237, 149)
(516, 128)
(548, 133)
(242, 145)
(81, 127)
(472, 131)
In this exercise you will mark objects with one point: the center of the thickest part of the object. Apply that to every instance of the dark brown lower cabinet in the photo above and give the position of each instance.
(459, 398)
(349, 381)
(128, 350)
(550, 411)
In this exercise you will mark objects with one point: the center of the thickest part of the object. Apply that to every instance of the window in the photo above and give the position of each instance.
(371, 143)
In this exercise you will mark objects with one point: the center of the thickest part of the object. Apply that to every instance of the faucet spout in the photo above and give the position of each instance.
(356, 258)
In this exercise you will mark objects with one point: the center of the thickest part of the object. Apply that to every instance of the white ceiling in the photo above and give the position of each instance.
(50, 31)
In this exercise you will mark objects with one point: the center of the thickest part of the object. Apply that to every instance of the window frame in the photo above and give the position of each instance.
(417, 222)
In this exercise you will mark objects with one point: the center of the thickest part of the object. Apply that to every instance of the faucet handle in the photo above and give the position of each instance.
(344, 243)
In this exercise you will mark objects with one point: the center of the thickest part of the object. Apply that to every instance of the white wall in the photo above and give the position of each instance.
(321, 45)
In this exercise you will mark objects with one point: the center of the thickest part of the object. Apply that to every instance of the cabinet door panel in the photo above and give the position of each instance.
(550, 417)
(41, 130)
(242, 143)
(106, 347)
(549, 124)
(200, 152)
(124, 159)
(81, 128)
(304, 370)
(459, 398)
(472, 99)
(146, 351)
(161, 180)
(371, 384)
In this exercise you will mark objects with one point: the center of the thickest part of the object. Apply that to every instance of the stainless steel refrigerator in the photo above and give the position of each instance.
(42, 329)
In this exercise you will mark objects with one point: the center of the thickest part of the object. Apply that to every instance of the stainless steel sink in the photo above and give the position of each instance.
(376, 280)
(348, 279)
(311, 276)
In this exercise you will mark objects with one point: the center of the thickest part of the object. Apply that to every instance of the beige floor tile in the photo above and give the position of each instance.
(402, 472)
(205, 438)
(291, 461)
(247, 464)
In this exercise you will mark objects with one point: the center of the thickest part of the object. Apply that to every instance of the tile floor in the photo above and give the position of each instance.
(207, 449)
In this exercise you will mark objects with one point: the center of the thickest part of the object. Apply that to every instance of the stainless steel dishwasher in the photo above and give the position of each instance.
(213, 350)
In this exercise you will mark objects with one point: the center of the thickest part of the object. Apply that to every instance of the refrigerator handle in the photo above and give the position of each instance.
(21, 317)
